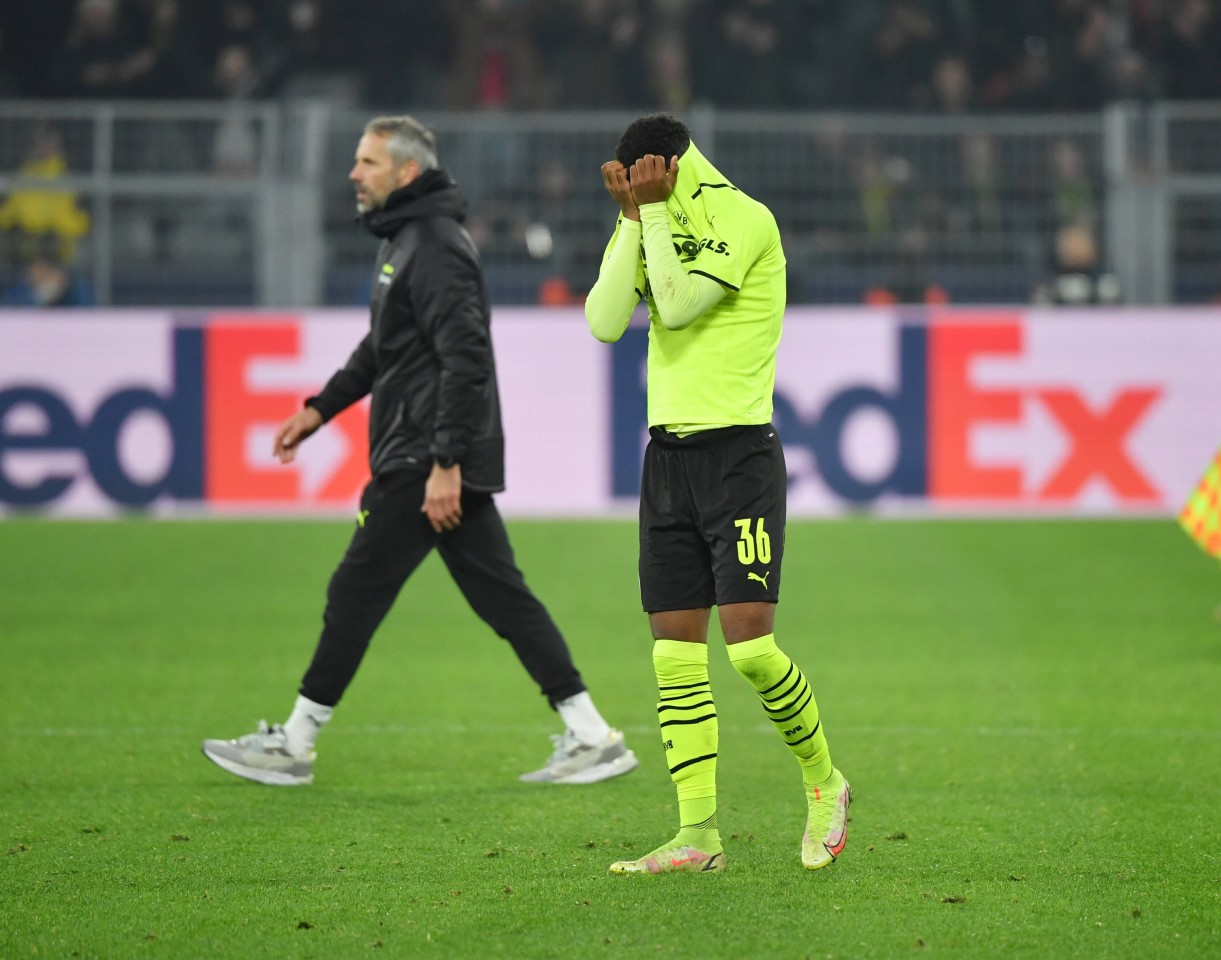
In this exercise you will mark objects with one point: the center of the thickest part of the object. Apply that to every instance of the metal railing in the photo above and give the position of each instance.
(248, 203)
(187, 202)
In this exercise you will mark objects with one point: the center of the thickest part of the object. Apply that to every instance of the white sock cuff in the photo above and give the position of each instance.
(318, 711)
(583, 719)
(304, 722)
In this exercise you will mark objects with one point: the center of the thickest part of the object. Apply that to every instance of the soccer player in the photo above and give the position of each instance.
(708, 261)
(436, 452)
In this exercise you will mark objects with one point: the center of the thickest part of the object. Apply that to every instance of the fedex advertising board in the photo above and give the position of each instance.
(974, 411)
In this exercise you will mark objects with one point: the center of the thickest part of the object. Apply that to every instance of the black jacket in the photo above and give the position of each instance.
(427, 359)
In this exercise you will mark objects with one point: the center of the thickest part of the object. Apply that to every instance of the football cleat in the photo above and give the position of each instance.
(262, 756)
(675, 859)
(575, 762)
(827, 823)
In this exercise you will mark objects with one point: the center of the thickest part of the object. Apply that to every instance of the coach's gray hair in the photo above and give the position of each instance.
(406, 139)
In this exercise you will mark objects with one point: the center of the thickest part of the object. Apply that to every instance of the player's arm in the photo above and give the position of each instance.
(347, 385)
(681, 297)
(610, 303)
(350, 383)
(614, 296)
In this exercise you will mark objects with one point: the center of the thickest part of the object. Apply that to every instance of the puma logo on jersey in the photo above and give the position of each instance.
(761, 579)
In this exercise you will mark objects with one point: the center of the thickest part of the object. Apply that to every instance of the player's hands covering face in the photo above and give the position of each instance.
(651, 181)
(614, 177)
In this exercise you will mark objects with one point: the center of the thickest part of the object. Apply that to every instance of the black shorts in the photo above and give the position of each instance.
(712, 513)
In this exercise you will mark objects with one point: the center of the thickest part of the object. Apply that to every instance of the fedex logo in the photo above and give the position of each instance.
(1020, 410)
(938, 409)
(203, 436)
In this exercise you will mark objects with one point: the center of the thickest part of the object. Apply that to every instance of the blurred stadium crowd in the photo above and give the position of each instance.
(956, 151)
(936, 55)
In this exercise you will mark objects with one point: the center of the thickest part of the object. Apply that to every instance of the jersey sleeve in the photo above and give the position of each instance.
(680, 297)
(620, 284)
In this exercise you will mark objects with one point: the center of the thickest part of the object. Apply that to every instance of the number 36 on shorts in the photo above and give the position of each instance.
(753, 547)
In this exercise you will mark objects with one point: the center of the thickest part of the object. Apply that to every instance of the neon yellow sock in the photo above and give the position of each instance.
(788, 702)
(686, 715)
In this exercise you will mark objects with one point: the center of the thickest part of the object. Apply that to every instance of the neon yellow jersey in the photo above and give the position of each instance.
(721, 369)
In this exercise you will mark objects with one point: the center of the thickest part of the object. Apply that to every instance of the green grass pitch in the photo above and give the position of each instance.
(1029, 712)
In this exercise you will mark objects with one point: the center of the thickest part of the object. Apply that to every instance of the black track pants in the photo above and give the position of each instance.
(391, 541)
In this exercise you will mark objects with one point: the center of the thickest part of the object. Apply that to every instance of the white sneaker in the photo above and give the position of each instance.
(262, 756)
(577, 762)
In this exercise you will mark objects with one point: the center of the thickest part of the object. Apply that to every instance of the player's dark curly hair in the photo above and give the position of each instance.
(656, 133)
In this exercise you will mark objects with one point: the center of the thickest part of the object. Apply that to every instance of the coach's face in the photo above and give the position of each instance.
(375, 175)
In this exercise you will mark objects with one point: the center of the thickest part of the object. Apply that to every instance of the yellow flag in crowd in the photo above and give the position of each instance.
(1201, 517)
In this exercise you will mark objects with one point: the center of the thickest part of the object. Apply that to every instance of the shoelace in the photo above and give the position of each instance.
(265, 736)
(565, 743)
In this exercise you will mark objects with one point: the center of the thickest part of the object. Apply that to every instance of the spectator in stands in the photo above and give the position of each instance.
(179, 69)
(952, 87)
(593, 54)
(1081, 51)
(1071, 57)
(1026, 85)
(1130, 75)
(46, 281)
(1072, 192)
(884, 185)
(308, 33)
(669, 72)
(1077, 276)
(495, 64)
(107, 52)
(525, 54)
(739, 46)
(235, 150)
(410, 64)
(221, 224)
(38, 208)
(259, 27)
(1191, 54)
(318, 36)
(909, 280)
(980, 180)
(553, 215)
(837, 220)
(816, 50)
(902, 52)
(498, 228)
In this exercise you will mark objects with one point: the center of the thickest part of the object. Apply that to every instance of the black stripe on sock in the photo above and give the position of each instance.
(704, 691)
(687, 763)
(796, 683)
(809, 697)
(684, 686)
(709, 824)
(778, 682)
(690, 706)
(677, 723)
